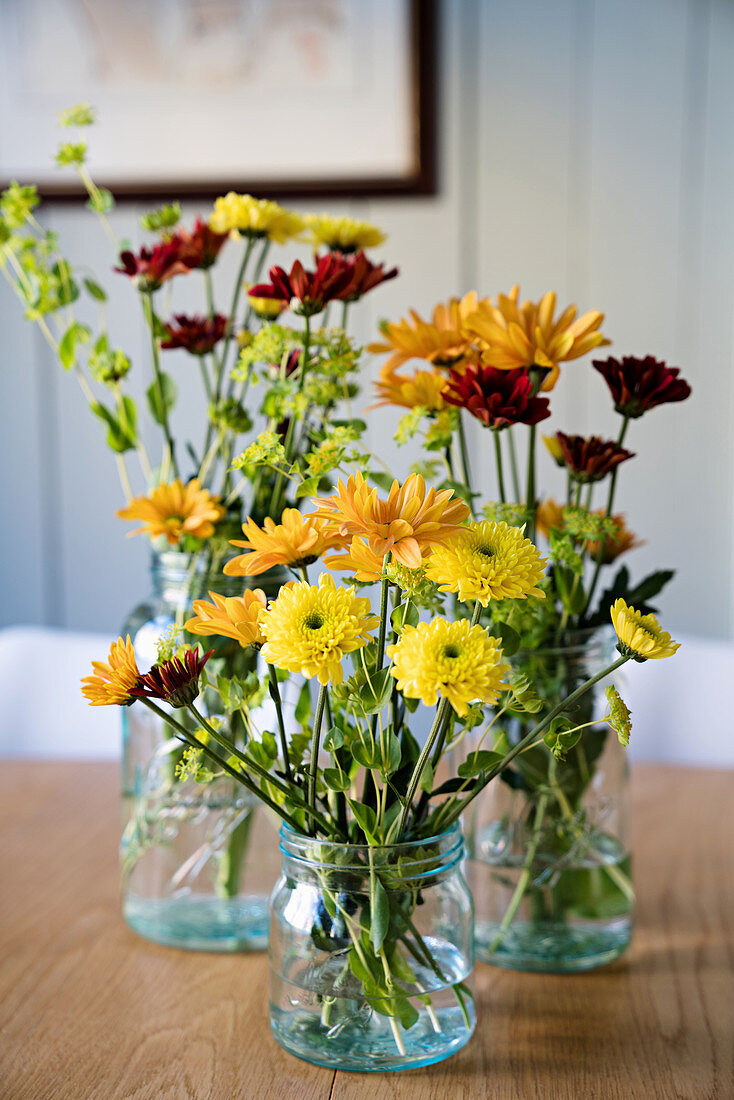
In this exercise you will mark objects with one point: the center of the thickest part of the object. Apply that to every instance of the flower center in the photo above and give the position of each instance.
(314, 620)
(451, 651)
(485, 551)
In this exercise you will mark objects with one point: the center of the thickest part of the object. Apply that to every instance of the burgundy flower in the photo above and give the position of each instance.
(176, 682)
(197, 334)
(590, 458)
(200, 247)
(496, 397)
(153, 266)
(307, 292)
(637, 385)
(364, 276)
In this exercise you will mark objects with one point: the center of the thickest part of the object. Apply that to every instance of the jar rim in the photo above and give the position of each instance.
(580, 639)
(296, 846)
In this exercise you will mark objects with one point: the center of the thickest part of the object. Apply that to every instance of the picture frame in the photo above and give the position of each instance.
(333, 98)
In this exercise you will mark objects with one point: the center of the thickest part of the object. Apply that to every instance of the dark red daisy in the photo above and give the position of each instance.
(196, 334)
(152, 267)
(637, 385)
(176, 682)
(496, 397)
(364, 276)
(590, 458)
(200, 247)
(307, 292)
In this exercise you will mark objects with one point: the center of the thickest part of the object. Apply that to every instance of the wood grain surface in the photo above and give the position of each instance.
(90, 1012)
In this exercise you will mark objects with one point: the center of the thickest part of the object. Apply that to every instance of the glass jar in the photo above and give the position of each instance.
(549, 860)
(198, 859)
(371, 952)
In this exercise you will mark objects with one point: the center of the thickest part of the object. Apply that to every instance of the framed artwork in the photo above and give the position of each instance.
(196, 97)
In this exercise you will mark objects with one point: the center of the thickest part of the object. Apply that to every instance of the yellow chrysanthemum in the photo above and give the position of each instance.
(486, 561)
(297, 541)
(253, 217)
(175, 510)
(408, 524)
(310, 628)
(423, 387)
(443, 340)
(113, 680)
(454, 659)
(343, 234)
(640, 636)
(235, 617)
(511, 335)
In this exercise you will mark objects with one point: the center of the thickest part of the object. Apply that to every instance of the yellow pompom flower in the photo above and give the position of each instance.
(461, 662)
(251, 217)
(297, 541)
(343, 234)
(175, 510)
(309, 628)
(235, 617)
(114, 680)
(524, 334)
(486, 561)
(640, 636)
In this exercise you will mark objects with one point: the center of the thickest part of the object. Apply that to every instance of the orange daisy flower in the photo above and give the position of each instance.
(423, 387)
(622, 541)
(297, 541)
(175, 510)
(549, 514)
(406, 525)
(443, 340)
(511, 335)
(359, 558)
(113, 681)
(230, 617)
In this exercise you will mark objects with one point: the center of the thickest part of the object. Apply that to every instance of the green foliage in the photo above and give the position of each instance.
(81, 114)
(17, 203)
(71, 153)
(636, 595)
(121, 424)
(161, 397)
(162, 219)
(562, 735)
(74, 335)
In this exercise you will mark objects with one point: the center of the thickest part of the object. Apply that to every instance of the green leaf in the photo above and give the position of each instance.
(405, 614)
(336, 780)
(68, 290)
(303, 706)
(120, 437)
(477, 762)
(366, 818)
(510, 638)
(375, 693)
(75, 334)
(425, 783)
(367, 753)
(95, 290)
(561, 737)
(334, 739)
(308, 487)
(379, 912)
(161, 398)
(381, 480)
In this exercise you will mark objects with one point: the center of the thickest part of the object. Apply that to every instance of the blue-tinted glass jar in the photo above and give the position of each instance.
(198, 859)
(371, 952)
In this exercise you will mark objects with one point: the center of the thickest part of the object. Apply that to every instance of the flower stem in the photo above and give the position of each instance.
(147, 297)
(315, 740)
(513, 464)
(524, 879)
(438, 723)
(449, 818)
(464, 453)
(500, 473)
(275, 695)
(610, 505)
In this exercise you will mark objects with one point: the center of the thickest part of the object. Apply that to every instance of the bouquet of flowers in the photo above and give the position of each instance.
(551, 880)
(371, 922)
(278, 373)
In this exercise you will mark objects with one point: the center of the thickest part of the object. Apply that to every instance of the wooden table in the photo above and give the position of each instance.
(87, 1010)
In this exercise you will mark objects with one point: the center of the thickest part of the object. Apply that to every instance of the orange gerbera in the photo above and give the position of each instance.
(510, 335)
(175, 510)
(297, 541)
(619, 543)
(443, 340)
(359, 558)
(423, 387)
(549, 514)
(230, 617)
(406, 525)
(113, 682)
